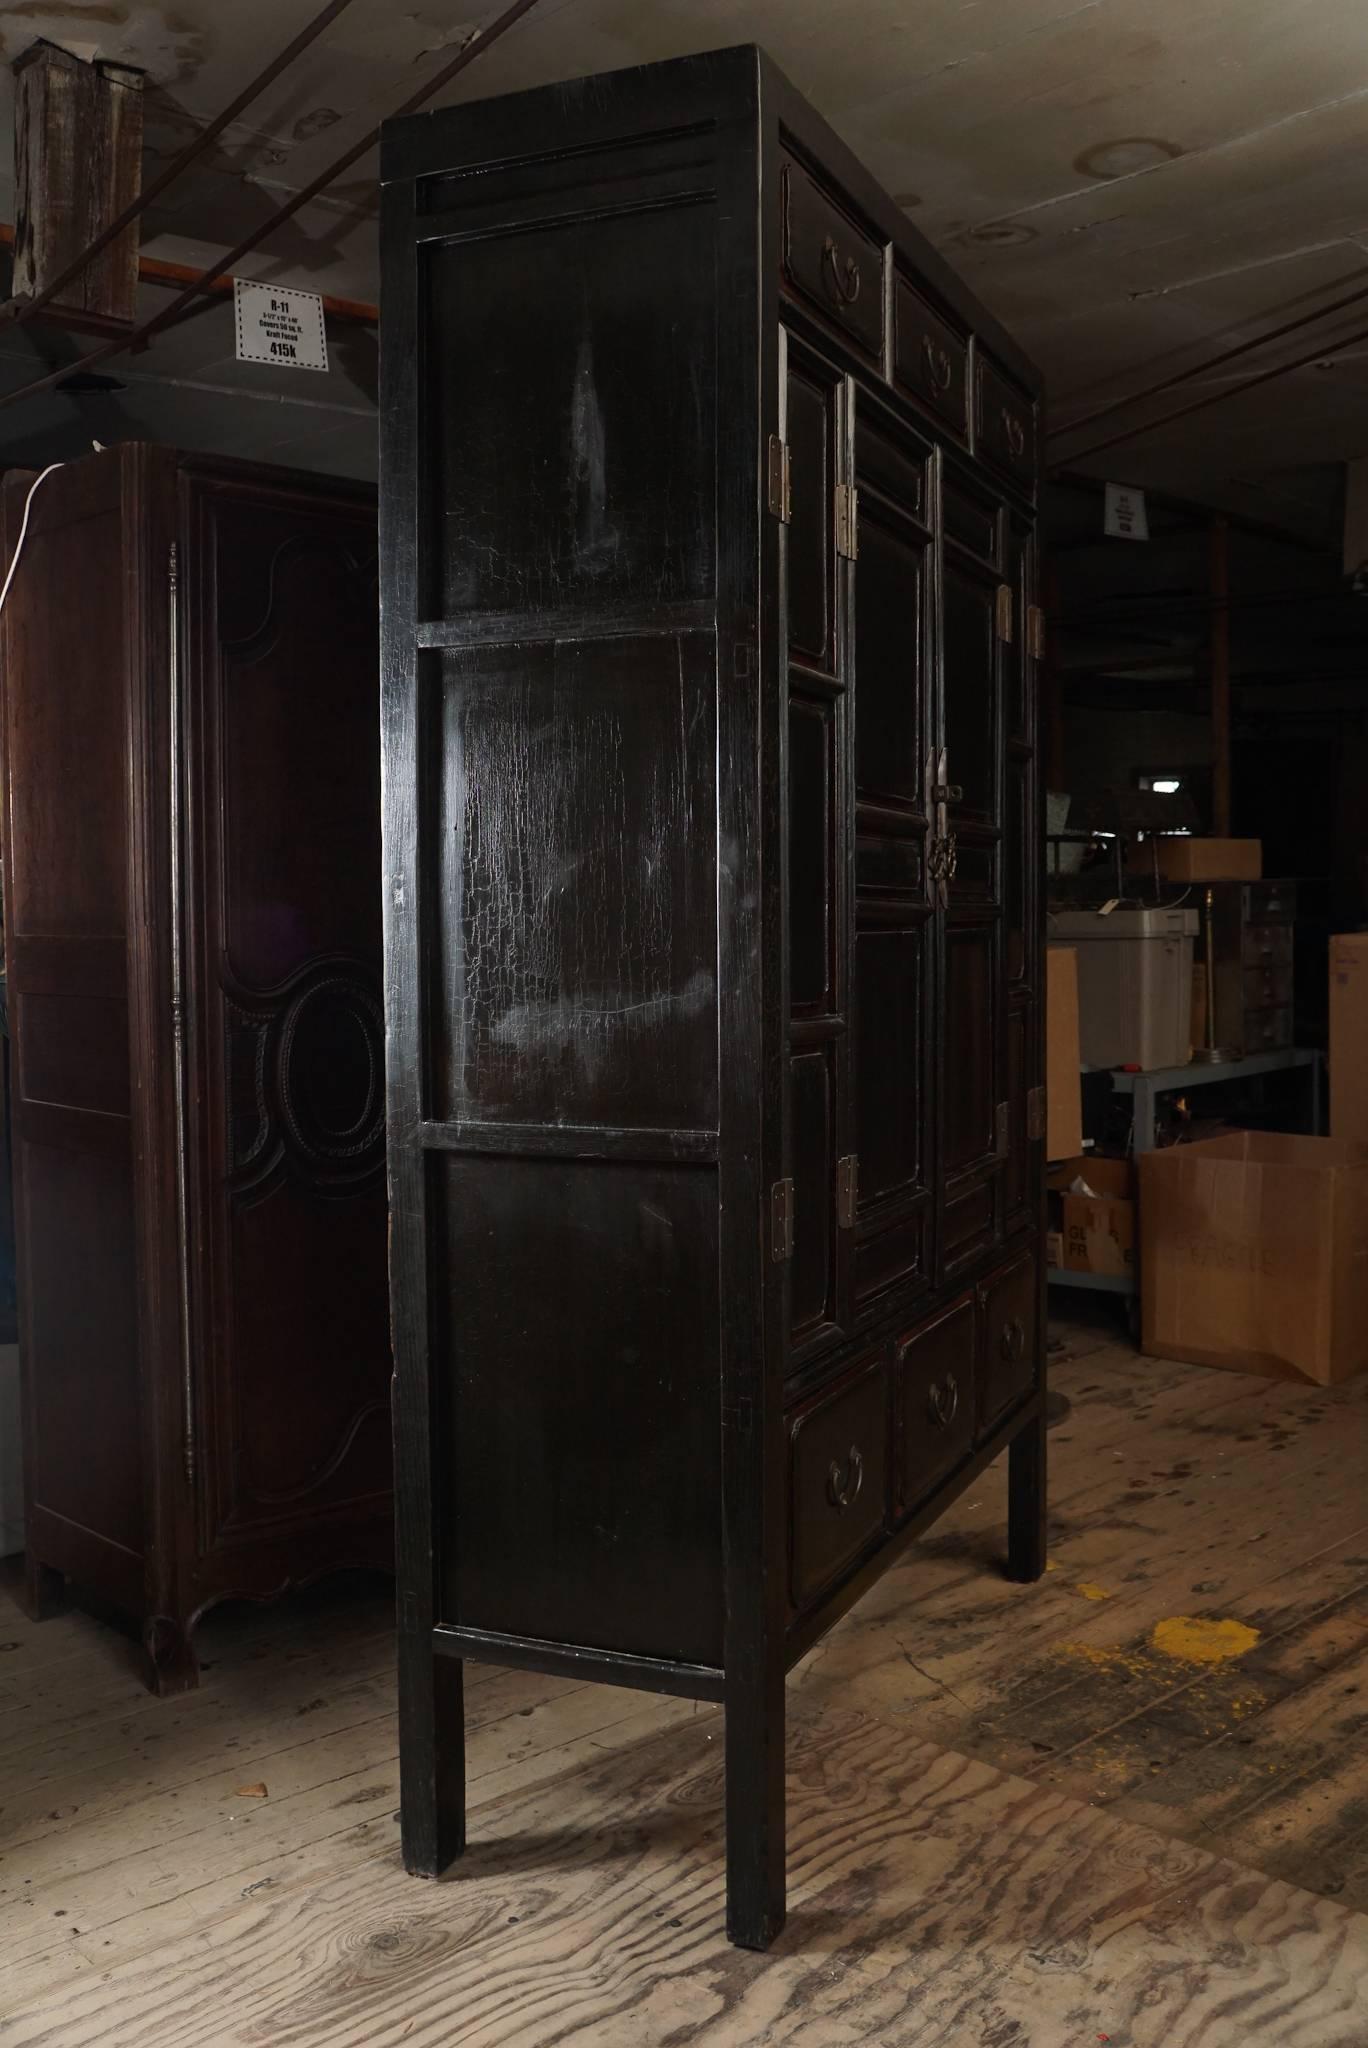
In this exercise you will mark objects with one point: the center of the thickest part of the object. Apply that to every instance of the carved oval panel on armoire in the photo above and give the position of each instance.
(284, 864)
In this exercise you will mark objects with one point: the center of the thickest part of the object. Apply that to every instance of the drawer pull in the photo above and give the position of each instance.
(845, 277)
(1013, 1341)
(943, 1402)
(843, 1488)
(936, 364)
(1015, 433)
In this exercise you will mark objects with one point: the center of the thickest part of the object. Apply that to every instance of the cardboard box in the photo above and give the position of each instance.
(1063, 1093)
(1349, 1036)
(1254, 1255)
(1209, 860)
(1097, 1229)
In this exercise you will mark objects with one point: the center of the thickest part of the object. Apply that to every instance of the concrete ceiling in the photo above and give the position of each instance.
(1129, 188)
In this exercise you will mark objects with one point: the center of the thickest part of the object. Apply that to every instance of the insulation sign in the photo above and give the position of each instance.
(1124, 514)
(280, 326)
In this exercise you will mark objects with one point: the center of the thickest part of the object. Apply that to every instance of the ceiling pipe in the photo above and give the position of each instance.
(1235, 390)
(1216, 362)
(26, 309)
(152, 270)
(475, 47)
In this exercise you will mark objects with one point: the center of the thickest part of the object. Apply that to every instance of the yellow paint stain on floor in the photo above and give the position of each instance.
(1092, 1592)
(1198, 1641)
(1110, 1657)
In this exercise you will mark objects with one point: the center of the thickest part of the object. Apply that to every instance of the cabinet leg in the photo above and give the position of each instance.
(173, 1665)
(45, 1590)
(1026, 1505)
(755, 1816)
(432, 1754)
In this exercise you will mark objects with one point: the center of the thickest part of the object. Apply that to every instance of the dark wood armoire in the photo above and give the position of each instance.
(192, 925)
(712, 836)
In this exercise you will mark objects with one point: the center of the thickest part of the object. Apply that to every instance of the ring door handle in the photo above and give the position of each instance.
(936, 364)
(942, 1403)
(843, 1488)
(845, 276)
(1013, 1340)
(1015, 433)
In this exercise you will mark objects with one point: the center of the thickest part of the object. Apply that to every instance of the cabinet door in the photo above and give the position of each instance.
(287, 1128)
(1022, 856)
(978, 628)
(894, 910)
(816, 880)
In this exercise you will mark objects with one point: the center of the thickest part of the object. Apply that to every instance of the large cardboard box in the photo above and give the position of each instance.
(1254, 1255)
(1182, 859)
(1096, 1229)
(1349, 1036)
(1063, 1092)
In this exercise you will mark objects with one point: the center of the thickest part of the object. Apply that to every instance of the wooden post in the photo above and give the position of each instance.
(78, 164)
(1220, 676)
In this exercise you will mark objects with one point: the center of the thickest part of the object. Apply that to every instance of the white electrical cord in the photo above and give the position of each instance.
(23, 529)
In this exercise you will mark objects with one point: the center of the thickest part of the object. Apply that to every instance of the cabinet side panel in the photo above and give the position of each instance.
(66, 766)
(576, 1369)
(576, 923)
(572, 432)
(565, 704)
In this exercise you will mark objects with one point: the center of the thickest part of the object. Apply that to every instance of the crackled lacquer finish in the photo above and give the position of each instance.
(711, 962)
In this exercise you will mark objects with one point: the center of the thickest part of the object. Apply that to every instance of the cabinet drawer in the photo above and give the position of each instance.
(831, 262)
(1268, 945)
(1267, 1030)
(936, 1400)
(1268, 987)
(838, 1478)
(1005, 425)
(1270, 902)
(1010, 1335)
(930, 360)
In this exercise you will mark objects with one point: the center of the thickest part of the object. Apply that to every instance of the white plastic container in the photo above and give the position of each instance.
(1134, 984)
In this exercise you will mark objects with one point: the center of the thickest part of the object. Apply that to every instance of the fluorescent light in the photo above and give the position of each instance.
(1166, 785)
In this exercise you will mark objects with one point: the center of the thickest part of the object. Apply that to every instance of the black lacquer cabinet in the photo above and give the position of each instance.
(712, 834)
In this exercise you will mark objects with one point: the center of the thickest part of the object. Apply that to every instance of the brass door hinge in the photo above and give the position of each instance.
(847, 1190)
(1035, 1115)
(847, 512)
(1004, 613)
(1035, 632)
(1002, 1125)
(781, 1221)
(779, 480)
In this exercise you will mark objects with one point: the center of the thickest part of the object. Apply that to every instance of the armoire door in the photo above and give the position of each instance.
(978, 627)
(278, 710)
(893, 575)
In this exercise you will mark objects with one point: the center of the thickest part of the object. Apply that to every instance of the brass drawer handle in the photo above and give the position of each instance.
(936, 362)
(943, 1402)
(845, 277)
(1013, 1340)
(1015, 433)
(843, 1488)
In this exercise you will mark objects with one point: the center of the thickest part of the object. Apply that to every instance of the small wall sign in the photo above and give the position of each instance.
(1125, 517)
(276, 324)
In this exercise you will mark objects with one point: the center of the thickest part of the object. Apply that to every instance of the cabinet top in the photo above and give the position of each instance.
(733, 90)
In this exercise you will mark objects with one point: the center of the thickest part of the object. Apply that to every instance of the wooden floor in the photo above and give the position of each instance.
(1126, 1806)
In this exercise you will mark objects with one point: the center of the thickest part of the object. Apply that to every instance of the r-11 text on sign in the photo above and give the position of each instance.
(276, 324)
